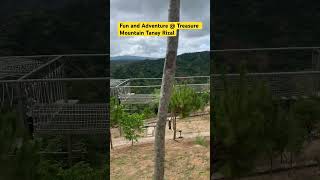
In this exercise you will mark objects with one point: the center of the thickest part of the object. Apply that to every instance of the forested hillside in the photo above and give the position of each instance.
(190, 64)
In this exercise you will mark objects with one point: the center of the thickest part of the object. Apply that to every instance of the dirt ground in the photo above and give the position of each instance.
(185, 159)
(187, 125)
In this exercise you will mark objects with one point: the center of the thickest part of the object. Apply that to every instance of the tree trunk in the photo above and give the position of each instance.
(110, 137)
(120, 131)
(174, 127)
(165, 93)
(291, 160)
(271, 162)
(290, 172)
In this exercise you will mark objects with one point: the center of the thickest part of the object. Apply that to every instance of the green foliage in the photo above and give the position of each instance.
(190, 64)
(185, 100)
(181, 101)
(307, 112)
(18, 155)
(70, 27)
(237, 118)
(156, 94)
(81, 171)
(20, 158)
(52, 143)
(148, 112)
(132, 125)
(201, 141)
(27, 160)
(7, 131)
(201, 100)
(250, 121)
(51, 170)
(116, 112)
(205, 96)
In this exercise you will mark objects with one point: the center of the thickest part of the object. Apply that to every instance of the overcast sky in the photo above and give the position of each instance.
(157, 10)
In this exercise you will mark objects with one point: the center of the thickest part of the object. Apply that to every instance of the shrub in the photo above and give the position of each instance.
(201, 141)
(132, 125)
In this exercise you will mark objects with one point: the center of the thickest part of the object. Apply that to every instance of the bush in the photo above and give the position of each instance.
(81, 171)
(307, 112)
(132, 125)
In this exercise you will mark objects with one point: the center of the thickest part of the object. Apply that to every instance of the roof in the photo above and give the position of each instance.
(117, 82)
(14, 67)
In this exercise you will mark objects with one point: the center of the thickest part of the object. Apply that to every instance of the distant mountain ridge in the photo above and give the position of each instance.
(189, 64)
(131, 58)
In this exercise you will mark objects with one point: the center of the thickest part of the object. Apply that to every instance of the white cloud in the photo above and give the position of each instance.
(157, 10)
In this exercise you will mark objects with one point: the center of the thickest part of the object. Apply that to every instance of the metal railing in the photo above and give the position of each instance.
(55, 92)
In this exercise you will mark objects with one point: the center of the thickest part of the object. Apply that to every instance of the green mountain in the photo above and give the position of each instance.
(130, 58)
(189, 64)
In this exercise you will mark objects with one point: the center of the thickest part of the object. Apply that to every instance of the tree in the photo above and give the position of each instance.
(18, 159)
(148, 112)
(116, 113)
(165, 93)
(201, 100)
(269, 128)
(236, 120)
(249, 114)
(132, 125)
(183, 101)
(307, 112)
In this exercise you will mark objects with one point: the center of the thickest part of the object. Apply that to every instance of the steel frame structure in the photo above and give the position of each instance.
(37, 87)
(303, 83)
(130, 91)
